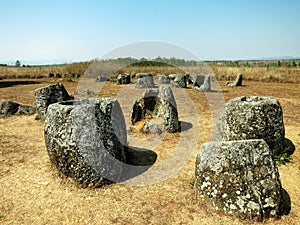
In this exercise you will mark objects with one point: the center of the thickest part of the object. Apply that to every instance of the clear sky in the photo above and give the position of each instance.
(73, 30)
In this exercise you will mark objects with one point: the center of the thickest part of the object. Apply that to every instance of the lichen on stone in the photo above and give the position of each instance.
(239, 177)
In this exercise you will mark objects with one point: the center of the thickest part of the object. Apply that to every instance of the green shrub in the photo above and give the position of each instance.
(283, 158)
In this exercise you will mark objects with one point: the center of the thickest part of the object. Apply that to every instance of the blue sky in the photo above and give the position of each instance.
(82, 30)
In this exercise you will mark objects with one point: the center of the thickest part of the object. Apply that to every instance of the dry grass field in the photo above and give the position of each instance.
(32, 192)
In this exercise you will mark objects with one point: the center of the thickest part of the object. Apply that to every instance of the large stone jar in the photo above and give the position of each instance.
(256, 117)
(86, 139)
(241, 178)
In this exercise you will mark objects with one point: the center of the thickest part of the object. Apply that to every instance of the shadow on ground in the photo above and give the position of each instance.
(138, 161)
(4, 84)
(285, 203)
(140, 157)
(184, 126)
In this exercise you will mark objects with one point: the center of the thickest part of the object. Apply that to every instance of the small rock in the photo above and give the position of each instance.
(144, 80)
(123, 78)
(8, 107)
(151, 128)
(26, 110)
(179, 80)
(101, 78)
(85, 92)
(238, 81)
(202, 83)
(163, 79)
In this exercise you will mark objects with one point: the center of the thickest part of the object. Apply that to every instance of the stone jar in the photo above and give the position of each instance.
(256, 117)
(86, 139)
(48, 95)
(240, 177)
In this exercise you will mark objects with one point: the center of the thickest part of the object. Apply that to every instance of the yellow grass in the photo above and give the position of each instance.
(284, 74)
(31, 191)
(263, 74)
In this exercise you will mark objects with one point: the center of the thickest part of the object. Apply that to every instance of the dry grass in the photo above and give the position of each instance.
(31, 191)
(34, 72)
(263, 74)
(266, 73)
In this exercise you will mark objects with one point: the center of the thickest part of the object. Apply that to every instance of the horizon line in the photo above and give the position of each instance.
(64, 61)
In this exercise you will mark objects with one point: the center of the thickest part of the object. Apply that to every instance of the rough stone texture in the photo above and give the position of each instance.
(150, 127)
(237, 82)
(84, 137)
(252, 118)
(144, 80)
(85, 92)
(26, 110)
(163, 79)
(11, 108)
(50, 94)
(202, 83)
(190, 79)
(179, 80)
(157, 102)
(123, 78)
(8, 108)
(102, 78)
(239, 177)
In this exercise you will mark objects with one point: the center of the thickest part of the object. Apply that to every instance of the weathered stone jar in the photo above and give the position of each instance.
(157, 102)
(202, 83)
(86, 139)
(144, 80)
(123, 78)
(178, 80)
(241, 178)
(48, 95)
(256, 117)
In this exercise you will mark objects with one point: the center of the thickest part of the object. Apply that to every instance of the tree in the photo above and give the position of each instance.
(279, 63)
(18, 63)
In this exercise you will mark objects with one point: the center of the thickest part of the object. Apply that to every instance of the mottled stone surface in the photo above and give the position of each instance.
(85, 93)
(157, 102)
(8, 108)
(238, 81)
(179, 80)
(48, 95)
(150, 127)
(144, 80)
(202, 83)
(101, 78)
(123, 78)
(252, 118)
(239, 177)
(86, 139)
(163, 79)
(26, 110)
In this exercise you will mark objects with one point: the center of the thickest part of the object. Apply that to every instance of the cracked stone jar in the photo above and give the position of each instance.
(86, 139)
